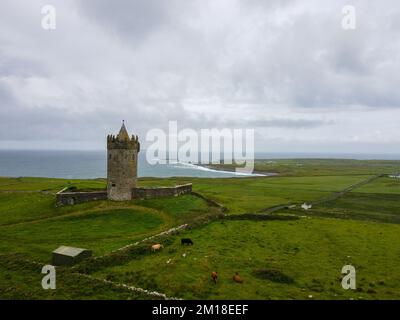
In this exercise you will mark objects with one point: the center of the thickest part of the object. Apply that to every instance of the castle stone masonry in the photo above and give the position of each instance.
(122, 156)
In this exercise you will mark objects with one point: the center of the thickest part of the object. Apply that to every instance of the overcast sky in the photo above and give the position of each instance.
(285, 68)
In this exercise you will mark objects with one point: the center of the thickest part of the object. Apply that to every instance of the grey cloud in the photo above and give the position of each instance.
(286, 123)
(199, 120)
(134, 19)
(147, 61)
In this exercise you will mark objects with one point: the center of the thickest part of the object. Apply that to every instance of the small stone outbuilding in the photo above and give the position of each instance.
(66, 256)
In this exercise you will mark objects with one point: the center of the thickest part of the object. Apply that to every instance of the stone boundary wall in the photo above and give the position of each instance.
(211, 202)
(65, 198)
(160, 192)
(70, 198)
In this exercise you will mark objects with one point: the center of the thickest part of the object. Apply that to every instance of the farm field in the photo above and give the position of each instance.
(320, 167)
(294, 259)
(288, 254)
(242, 195)
(377, 201)
(102, 226)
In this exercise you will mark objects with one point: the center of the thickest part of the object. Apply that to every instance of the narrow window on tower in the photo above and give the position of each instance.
(133, 157)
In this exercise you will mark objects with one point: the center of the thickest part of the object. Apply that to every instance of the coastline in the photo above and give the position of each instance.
(229, 170)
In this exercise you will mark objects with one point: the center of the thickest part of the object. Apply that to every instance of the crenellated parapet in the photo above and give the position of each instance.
(115, 142)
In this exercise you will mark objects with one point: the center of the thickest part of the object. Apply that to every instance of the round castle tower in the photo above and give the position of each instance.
(122, 159)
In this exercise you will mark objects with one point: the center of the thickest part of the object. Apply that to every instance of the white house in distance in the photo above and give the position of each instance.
(306, 206)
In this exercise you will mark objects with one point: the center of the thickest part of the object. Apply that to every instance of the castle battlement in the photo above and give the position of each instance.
(114, 142)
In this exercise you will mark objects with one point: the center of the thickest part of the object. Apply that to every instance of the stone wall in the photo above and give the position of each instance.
(160, 192)
(71, 198)
(211, 202)
(64, 198)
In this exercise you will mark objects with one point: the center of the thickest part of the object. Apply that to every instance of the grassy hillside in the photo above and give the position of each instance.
(310, 253)
(101, 226)
(20, 279)
(278, 259)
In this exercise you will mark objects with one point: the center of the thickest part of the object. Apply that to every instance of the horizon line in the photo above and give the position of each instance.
(255, 152)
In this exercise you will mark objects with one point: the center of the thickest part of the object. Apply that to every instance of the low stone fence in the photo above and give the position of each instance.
(160, 192)
(65, 198)
(211, 202)
(70, 198)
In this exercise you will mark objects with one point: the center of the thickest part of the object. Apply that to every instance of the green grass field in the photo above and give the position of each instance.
(311, 252)
(321, 167)
(296, 258)
(377, 201)
(101, 231)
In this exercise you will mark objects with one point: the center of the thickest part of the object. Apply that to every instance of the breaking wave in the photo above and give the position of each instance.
(191, 166)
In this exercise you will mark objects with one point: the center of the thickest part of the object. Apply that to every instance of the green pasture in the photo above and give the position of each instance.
(300, 259)
(286, 259)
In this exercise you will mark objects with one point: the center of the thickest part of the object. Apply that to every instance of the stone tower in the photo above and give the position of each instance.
(122, 160)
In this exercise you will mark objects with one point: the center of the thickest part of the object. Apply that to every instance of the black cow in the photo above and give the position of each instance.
(186, 241)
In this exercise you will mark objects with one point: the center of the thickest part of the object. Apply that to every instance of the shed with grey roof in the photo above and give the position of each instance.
(66, 256)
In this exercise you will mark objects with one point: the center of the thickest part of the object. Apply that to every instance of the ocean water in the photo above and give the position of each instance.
(92, 164)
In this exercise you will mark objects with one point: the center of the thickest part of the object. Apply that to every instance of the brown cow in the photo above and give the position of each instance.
(214, 276)
(237, 278)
